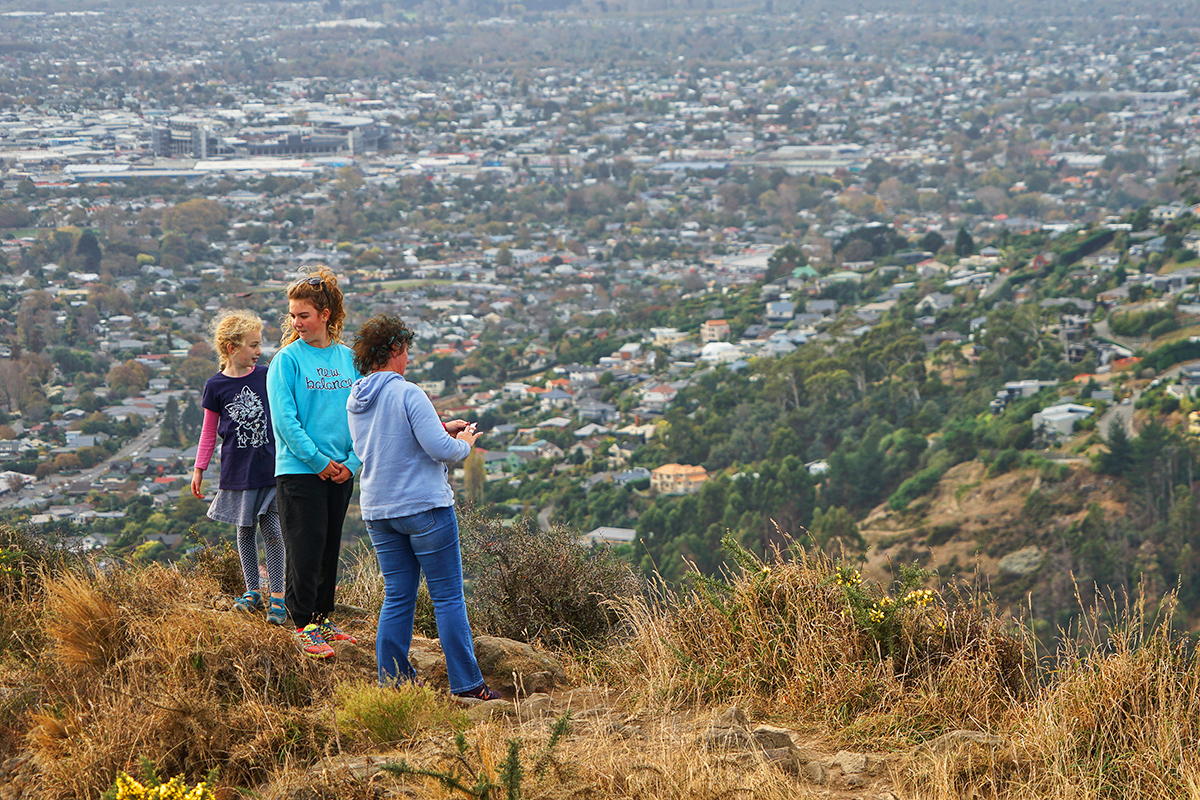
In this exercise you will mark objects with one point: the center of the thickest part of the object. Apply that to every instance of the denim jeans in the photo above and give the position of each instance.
(427, 540)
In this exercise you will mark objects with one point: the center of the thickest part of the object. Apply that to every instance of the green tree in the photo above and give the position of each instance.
(964, 245)
(783, 261)
(834, 531)
(474, 477)
(932, 241)
(190, 420)
(168, 435)
(88, 249)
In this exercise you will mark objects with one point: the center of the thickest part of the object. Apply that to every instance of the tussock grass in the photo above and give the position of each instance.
(84, 627)
(141, 664)
(103, 667)
(789, 639)
(1122, 719)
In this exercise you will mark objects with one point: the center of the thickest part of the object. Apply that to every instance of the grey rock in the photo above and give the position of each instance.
(535, 706)
(1025, 561)
(784, 758)
(537, 683)
(732, 717)
(816, 772)
(427, 659)
(850, 763)
(769, 737)
(727, 739)
(953, 738)
(483, 710)
(517, 668)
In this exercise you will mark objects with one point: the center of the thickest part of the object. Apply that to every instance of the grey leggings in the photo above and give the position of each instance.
(268, 525)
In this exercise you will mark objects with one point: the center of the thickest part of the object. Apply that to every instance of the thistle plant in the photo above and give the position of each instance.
(464, 777)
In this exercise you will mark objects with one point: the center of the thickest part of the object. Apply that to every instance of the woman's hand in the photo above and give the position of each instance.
(456, 426)
(331, 471)
(197, 480)
(469, 434)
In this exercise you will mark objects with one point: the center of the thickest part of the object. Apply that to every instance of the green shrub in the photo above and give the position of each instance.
(531, 584)
(1161, 327)
(915, 486)
(388, 715)
(1004, 461)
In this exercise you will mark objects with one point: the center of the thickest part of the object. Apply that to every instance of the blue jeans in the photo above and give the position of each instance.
(427, 540)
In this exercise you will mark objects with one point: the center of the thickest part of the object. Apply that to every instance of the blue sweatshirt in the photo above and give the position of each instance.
(403, 447)
(307, 387)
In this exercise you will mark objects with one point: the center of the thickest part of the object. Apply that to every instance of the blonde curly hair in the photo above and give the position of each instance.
(230, 329)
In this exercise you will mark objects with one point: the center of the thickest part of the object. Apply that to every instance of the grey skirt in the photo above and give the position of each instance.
(242, 507)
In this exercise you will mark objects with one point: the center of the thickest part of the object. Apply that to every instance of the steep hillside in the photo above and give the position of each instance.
(1010, 533)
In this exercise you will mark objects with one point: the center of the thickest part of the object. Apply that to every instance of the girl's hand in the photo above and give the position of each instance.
(331, 471)
(344, 474)
(197, 479)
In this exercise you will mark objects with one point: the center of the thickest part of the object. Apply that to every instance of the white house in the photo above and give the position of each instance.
(658, 396)
(1061, 418)
(720, 352)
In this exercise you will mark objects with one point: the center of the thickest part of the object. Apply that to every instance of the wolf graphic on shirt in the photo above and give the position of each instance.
(248, 414)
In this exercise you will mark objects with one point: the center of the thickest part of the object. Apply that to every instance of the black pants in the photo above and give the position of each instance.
(311, 513)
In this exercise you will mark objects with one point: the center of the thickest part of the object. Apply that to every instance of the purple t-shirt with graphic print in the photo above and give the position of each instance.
(247, 440)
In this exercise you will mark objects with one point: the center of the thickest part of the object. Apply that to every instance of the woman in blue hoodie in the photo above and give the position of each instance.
(408, 505)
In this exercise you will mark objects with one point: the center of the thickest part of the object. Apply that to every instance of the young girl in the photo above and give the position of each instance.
(308, 383)
(236, 408)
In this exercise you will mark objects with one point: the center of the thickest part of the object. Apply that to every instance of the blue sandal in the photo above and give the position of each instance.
(249, 603)
(277, 613)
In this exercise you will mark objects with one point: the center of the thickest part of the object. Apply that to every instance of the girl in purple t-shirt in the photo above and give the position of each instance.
(236, 409)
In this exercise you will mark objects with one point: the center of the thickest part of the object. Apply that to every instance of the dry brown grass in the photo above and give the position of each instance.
(662, 762)
(142, 665)
(361, 581)
(145, 662)
(784, 640)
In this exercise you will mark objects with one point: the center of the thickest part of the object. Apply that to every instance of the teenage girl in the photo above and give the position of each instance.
(236, 408)
(309, 382)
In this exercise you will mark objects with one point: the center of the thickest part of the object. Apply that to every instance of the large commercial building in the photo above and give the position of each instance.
(200, 138)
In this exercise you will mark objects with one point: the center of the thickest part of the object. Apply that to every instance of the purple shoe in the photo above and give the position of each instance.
(482, 692)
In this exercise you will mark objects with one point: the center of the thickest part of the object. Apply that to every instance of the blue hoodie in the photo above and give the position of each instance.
(403, 446)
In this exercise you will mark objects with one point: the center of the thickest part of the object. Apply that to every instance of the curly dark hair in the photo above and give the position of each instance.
(376, 340)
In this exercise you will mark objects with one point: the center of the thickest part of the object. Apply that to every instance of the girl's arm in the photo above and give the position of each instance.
(204, 450)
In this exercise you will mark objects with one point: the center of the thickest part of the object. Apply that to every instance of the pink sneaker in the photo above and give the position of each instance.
(312, 643)
(332, 633)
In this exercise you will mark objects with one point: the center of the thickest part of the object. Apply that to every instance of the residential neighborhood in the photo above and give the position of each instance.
(589, 250)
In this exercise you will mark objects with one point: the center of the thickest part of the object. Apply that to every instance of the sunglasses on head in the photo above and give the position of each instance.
(321, 282)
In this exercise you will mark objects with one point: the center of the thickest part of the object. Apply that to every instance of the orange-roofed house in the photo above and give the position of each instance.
(677, 479)
(714, 330)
